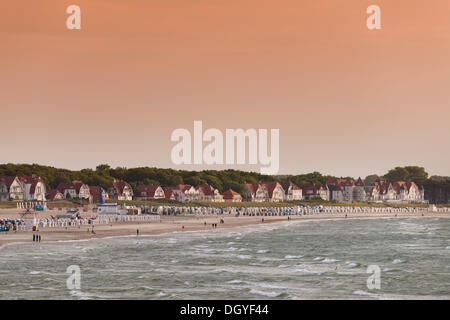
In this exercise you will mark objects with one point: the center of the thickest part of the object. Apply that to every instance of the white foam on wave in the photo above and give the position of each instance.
(292, 257)
(397, 261)
(270, 294)
(308, 272)
(235, 282)
(352, 264)
(35, 272)
(448, 248)
(283, 266)
(326, 260)
(318, 258)
(242, 249)
(244, 256)
(262, 251)
(232, 249)
(361, 293)
(161, 294)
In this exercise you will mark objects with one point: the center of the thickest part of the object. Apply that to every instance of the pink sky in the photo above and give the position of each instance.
(347, 101)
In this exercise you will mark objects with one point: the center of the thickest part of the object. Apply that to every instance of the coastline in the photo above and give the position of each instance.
(170, 224)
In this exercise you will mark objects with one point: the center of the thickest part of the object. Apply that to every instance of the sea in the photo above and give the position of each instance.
(409, 258)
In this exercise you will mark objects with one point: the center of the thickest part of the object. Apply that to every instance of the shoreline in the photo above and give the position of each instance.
(171, 224)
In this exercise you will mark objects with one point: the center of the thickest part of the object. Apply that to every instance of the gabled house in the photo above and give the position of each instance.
(291, 191)
(145, 192)
(94, 191)
(120, 190)
(54, 195)
(34, 187)
(14, 187)
(75, 190)
(208, 193)
(264, 191)
(170, 193)
(82, 189)
(4, 194)
(190, 193)
(316, 191)
(231, 196)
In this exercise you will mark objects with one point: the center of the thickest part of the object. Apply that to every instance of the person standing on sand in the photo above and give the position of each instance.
(39, 238)
(137, 232)
(34, 237)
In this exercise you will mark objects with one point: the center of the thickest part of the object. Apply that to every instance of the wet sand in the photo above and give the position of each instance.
(169, 224)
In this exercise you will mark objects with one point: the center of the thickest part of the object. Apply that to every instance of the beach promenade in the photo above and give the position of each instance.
(180, 223)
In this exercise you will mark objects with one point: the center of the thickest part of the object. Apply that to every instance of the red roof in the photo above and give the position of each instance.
(288, 184)
(359, 182)
(8, 180)
(206, 189)
(33, 180)
(95, 193)
(52, 194)
(230, 194)
(168, 192)
(119, 185)
(148, 189)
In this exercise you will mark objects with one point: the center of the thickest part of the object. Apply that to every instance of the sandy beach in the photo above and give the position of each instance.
(169, 224)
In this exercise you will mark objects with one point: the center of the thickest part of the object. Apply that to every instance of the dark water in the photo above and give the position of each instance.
(289, 260)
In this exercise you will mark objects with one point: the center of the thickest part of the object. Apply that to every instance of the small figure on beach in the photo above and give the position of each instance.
(137, 232)
(34, 237)
(39, 238)
(262, 220)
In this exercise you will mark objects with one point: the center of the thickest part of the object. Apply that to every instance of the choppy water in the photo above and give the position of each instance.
(289, 260)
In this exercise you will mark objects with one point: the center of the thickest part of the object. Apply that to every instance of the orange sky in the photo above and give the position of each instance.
(347, 101)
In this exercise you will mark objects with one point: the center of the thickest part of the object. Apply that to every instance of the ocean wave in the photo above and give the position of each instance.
(235, 282)
(308, 272)
(35, 272)
(318, 258)
(262, 251)
(397, 261)
(326, 260)
(361, 293)
(352, 264)
(293, 257)
(283, 266)
(270, 294)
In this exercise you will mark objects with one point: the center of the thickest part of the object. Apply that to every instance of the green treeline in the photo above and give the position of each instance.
(437, 188)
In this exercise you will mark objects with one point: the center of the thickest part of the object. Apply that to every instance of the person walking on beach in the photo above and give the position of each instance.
(39, 238)
(34, 237)
(137, 232)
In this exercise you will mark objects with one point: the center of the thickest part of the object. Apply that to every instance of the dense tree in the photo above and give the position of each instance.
(371, 179)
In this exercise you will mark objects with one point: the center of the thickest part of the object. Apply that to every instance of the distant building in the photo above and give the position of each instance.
(145, 192)
(120, 190)
(291, 191)
(208, 193)
(54, 195)
(231, 196)
(4, 194)
(15, 188)
(34, 187)
(316, 191)
(264, 191)
(94, 191)
(347, 190)
(74, 190)
(171, 193)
